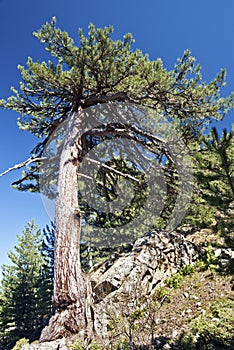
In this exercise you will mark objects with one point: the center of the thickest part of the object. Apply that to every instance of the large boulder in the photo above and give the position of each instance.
(152, 259)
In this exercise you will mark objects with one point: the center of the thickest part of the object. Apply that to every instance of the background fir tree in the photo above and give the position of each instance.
(47, 251)
(215, 172)
(213, 198)
(26, 290)
(215, 176)
(47, 273)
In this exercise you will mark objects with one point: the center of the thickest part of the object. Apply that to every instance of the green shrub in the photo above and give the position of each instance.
(82, 346)
(19, 344)
(162, 293)
(176, 280)
(215, 330)
(210, 261)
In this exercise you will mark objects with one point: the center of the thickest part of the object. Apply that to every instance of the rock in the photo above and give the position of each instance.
(157, 343)
(227, 253)
(217, 252)
(135, 274)
(59, 344)
(189, 311)
(224, 263)
(224, 253)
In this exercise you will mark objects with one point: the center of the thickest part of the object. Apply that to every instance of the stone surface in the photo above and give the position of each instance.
(153, 259)
(60, 344)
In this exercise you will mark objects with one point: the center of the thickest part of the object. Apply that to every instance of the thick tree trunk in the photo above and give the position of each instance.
(69, 285)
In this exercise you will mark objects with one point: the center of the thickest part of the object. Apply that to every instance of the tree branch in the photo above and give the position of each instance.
(21, 165)
(94, 100)
(113, 170)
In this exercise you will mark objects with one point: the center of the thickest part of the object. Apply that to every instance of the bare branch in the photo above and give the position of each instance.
(113, 170)
(21, 165)
(86, 176)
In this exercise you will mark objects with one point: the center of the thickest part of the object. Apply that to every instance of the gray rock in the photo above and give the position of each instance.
(153, 259)
(59, 344)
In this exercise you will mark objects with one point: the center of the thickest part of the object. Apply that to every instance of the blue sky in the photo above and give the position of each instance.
(161, 28)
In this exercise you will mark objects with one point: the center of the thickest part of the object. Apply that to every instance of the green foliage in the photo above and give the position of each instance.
(107, 184)
(215, 172)
(211, 260)
(26, 290)
(215, 176)
(101, 70)
(176, 280)
(20, 343)
(47, 251)
(214, 183)
(88, 256)
(213, 331)
(162, 294)
(136, 315)
(200, 214)
(79, 345)
(93, 255)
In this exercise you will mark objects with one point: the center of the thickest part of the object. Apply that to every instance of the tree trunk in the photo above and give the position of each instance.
(69, 285)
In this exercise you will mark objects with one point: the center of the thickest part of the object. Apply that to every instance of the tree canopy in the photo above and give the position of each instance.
(99, 70)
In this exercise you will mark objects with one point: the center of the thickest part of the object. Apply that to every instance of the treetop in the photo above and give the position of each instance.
(101, 70)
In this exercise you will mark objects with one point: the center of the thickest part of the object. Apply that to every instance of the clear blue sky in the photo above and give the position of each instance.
(161, 28)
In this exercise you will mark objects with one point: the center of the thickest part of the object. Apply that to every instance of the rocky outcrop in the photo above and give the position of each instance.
(121, 282)
(152, 259)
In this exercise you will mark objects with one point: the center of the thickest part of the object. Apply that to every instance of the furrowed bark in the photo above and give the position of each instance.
(69, 285)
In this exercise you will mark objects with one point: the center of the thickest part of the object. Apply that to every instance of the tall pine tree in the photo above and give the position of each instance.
(26, 290)
(99, 71)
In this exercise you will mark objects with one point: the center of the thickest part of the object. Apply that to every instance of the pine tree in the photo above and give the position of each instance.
(216, 168)
(48, 252)
(99, 71)
(25, 292)
(214, 175)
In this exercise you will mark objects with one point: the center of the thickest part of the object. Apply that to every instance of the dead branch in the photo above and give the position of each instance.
(110, 169)
(21, 165)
